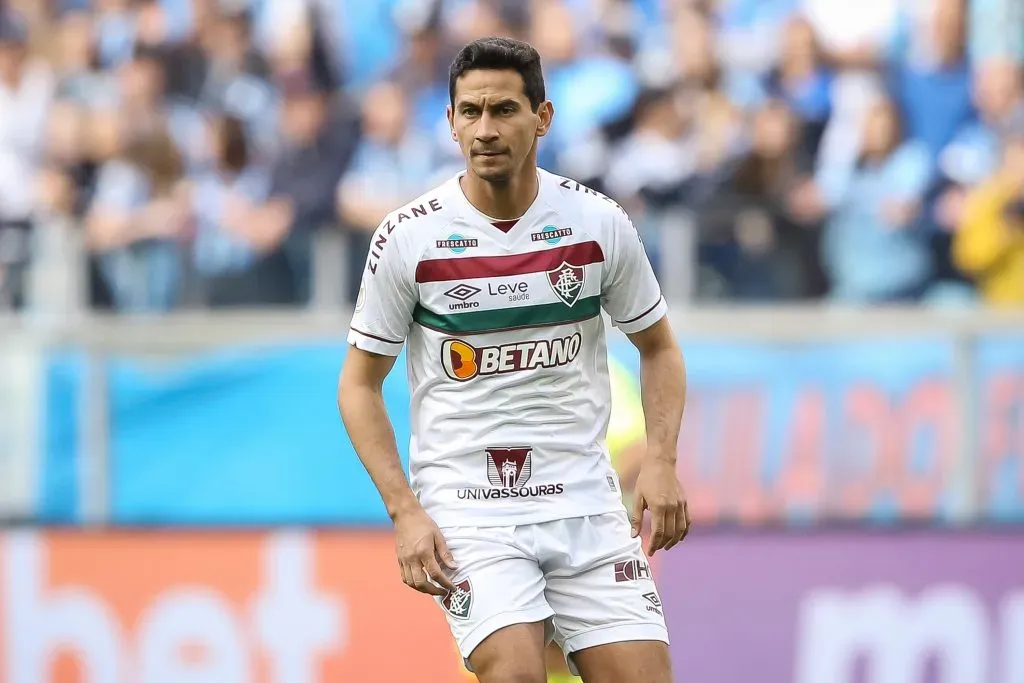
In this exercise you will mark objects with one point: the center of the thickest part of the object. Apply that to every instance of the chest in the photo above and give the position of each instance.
(478, 278)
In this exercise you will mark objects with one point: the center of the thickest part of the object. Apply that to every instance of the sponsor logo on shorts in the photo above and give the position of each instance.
(459, 602)
(632, 570)
(508, 471)
(567, 282)
(655, 605)
(457, 243)
(463, 293)
(551, 234)
(463, 361)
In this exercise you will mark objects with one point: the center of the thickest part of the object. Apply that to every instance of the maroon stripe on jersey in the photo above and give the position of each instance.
(505, 226)
(373, 336)
(633, 320)
(440, 270)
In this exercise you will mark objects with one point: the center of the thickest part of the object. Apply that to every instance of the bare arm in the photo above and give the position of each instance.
(663, 392)
(361, 402)
(360, 212)
(663, 388)
(421, 546)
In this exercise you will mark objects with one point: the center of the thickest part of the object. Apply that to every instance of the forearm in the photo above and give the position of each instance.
(369, 428)
(663, 392)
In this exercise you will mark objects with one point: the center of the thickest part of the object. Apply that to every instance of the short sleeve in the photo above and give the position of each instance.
(387, 297)
(630, 292)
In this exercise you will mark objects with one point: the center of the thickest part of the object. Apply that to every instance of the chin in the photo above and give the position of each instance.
(493, 174)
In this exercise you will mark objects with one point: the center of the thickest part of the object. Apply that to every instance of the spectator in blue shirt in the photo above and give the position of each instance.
(136, 223)
(233, 247)
(873, 248)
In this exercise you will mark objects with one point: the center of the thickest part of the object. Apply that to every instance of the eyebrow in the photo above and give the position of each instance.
(499, 103)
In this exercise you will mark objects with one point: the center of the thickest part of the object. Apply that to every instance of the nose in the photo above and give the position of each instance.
(486, 131)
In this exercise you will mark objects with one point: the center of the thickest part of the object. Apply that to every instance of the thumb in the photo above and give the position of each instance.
(637, 517)
(442, 550)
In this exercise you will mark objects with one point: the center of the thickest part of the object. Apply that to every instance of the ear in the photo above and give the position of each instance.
(545, 114)
(451, 122)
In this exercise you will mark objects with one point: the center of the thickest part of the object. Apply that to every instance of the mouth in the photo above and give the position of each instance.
(488, 154)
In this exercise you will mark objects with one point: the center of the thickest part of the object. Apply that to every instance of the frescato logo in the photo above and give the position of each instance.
(463, 361)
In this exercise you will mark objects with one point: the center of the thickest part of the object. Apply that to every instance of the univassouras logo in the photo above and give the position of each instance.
(462, 361)
(508, 470)
(521, 492)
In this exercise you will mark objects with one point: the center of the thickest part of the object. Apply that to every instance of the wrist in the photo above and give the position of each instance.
(660, 455)
(402, 506)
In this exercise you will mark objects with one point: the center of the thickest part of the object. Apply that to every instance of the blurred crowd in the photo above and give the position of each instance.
(862, 152)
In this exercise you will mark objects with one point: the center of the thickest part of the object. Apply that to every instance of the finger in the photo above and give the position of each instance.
(406, 575)
(420, 583)
(671, 528)
(437, 575)
(443, 552)
(686, 516)
(637, 518)
(657, 530)
(680, 530)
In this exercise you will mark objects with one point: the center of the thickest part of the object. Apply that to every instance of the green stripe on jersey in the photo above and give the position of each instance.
(540, 315)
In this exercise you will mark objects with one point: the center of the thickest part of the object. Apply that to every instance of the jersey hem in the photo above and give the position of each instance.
(453, 518)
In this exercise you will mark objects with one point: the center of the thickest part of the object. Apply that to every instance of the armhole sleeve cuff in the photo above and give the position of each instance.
(365, 341)
(645, 319)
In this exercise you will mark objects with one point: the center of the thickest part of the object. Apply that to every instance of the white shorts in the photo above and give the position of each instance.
(585, 576)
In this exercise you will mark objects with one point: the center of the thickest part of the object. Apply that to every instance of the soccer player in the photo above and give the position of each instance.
(495, 283)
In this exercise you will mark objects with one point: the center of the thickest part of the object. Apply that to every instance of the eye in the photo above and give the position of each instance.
(470, 112)
(507, 109)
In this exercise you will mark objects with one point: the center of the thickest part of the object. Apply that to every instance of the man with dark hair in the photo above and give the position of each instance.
(514, 519)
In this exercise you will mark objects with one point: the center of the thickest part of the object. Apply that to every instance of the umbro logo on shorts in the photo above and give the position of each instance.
(655, 601)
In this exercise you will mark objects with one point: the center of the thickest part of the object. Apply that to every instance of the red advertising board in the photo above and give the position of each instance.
(283, 607)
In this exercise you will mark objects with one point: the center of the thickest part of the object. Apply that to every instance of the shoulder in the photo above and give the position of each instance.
(408, 228)
(592, 209)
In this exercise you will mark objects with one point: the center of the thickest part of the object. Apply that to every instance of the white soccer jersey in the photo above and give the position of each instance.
(507, 359)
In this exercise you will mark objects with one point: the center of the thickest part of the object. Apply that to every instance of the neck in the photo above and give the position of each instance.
(502, 201)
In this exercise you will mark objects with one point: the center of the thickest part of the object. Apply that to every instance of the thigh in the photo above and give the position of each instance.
(604, 593)
(499, 585)
(513, 653)
(632, 661)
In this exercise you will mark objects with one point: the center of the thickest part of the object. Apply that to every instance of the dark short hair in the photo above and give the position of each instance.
(499, 54)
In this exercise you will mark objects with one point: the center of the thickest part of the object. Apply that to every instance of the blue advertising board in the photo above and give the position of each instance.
(797, 434)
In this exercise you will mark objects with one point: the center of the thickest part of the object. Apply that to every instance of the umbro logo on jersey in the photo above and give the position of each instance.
(567, 282)
(463, 293)
(462, 361)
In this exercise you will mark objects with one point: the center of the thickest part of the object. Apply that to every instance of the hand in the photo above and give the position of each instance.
(806, 203)
(949, 210)
(899, 213)
(421, 549)
(658, 490)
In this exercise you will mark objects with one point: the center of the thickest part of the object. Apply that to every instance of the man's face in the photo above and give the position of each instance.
(494, 124)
